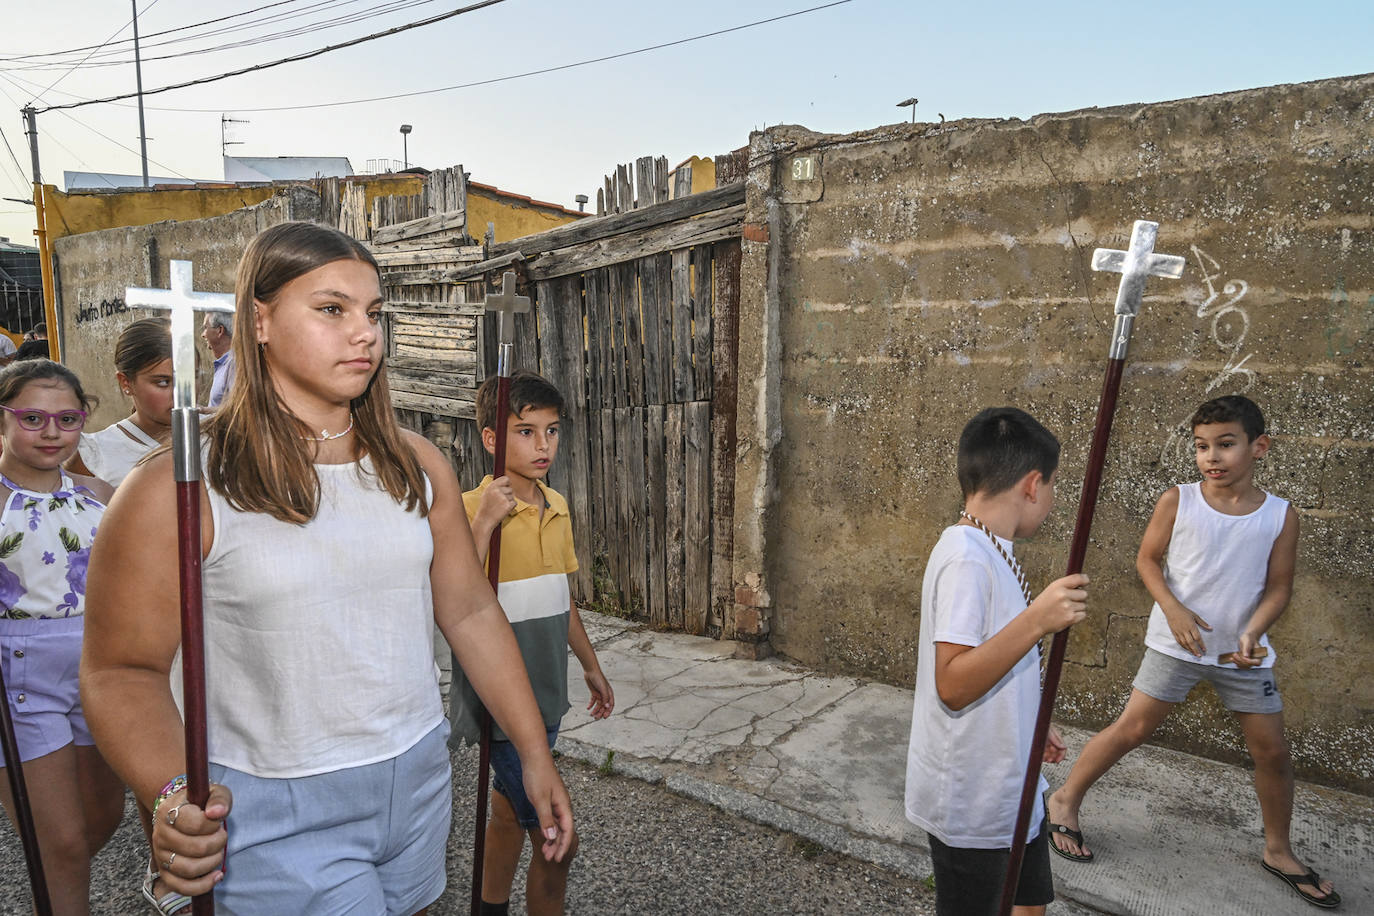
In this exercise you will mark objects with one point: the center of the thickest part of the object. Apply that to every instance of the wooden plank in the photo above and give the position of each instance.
(609, 187)
(526, 345)
(595, 323)
(447, 407)
(732, 166)
(596, 491)
(654, 483)
(471, 456)
(674, 471)
(681, 380)
(661, 180)
(453, 359)
(611, 519)
(442, 346)
(600, 202)
(644, 182)
(701, 322)
(429, 243)
(716, 226)
(624, 190)
(577, 431)
(682, 181)
(637, 489)
(724, 405)
(450, 274)
(461, 363)
(593, 228)
(696, 525)
(415, 228)
(664, 325)
(620, 291)
(550, 366)
(653, 308)
(426, 256)
(403, 381)
(632, 289)
(624, 527)
(434, 309)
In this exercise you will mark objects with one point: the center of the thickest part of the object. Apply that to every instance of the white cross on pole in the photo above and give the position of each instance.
(183, 301)
(506, 304)
(1135, 265)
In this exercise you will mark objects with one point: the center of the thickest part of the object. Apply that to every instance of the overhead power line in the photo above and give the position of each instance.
(106, 58)
(496, 79)
(182, 28)
(287, 60)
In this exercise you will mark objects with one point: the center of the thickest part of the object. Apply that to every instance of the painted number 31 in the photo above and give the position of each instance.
(804, 168)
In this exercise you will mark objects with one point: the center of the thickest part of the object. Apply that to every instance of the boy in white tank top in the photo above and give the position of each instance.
(1231, 550)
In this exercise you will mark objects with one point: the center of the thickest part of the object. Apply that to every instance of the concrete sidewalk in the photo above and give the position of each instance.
(825, 758)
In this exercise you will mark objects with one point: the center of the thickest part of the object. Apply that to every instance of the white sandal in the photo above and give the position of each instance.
(170, 903)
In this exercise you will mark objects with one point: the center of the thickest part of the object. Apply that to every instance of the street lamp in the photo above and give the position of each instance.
(911, 102)
(405, 147)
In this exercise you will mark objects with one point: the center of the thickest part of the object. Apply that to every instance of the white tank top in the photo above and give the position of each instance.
(318, 645)
(112, 453)
(1216, 567)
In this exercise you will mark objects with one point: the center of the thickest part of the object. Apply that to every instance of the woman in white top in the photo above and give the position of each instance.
(143, 368)
(333, 542)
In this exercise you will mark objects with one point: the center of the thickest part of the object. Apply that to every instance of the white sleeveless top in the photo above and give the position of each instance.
(112, 453)
(318, 637)
(1216, 566)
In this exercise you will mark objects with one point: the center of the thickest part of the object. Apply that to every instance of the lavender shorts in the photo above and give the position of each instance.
(40, 660)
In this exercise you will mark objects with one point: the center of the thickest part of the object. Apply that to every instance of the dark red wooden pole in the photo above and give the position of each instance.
(479, 842)
(193, 660)
(1078, 548)
(23, 811)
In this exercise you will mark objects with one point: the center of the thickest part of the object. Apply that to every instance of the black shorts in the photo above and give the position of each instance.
(968, 882)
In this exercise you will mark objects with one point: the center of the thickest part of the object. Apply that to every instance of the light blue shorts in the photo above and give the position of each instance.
(40, 661)
(363, 841)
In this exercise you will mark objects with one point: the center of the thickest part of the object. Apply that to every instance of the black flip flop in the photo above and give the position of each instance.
(1073, 835)
(1329, 902)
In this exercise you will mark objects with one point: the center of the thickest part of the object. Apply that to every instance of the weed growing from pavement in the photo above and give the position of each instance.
(808, 849)
(606, 769)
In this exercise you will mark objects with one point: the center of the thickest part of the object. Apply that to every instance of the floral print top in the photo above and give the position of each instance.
(45, 547)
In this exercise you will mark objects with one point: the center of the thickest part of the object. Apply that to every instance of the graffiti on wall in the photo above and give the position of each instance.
(1230, 326)
(104, 309)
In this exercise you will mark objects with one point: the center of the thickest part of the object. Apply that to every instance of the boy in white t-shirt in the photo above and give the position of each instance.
(978, 671)
(1231, 550)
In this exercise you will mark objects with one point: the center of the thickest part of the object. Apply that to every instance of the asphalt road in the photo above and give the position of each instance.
(644, 851)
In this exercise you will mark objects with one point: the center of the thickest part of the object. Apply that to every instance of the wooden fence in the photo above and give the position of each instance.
(634, 321)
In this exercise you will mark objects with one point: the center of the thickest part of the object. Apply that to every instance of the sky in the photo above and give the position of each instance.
(552, 136)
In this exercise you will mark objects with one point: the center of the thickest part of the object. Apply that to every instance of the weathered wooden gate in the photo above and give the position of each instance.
(634, 320)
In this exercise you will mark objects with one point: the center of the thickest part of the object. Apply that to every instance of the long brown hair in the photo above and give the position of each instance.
(257, 458)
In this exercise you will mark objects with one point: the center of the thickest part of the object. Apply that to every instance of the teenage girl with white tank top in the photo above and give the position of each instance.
(333, 542)
(143, 370)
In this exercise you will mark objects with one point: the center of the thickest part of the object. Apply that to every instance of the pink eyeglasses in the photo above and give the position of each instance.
(33, 419)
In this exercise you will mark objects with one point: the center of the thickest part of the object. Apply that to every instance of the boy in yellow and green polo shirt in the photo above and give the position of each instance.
(536, 557)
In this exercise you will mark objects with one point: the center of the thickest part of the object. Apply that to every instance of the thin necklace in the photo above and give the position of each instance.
(1015, 566)
(324, 433)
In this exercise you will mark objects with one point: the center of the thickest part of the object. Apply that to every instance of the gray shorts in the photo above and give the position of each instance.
(1169, 679)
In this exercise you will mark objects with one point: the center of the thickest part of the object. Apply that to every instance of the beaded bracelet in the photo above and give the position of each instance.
(176, 784)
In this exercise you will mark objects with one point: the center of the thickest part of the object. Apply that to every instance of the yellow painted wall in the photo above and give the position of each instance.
(514, 219)
(76, 212)
(703, 174)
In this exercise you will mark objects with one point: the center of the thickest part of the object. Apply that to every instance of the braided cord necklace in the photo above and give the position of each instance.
(1011, 561)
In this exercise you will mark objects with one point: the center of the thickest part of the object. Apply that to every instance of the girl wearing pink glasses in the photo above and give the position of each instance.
(48, 521)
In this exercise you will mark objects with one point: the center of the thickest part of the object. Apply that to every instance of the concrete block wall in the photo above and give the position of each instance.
(910, 275)
(94, 268)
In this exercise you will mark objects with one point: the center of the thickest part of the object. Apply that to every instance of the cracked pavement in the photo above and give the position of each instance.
(825, 758)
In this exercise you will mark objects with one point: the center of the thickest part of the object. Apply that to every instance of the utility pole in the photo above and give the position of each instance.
(41, 231)
(138, 73)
